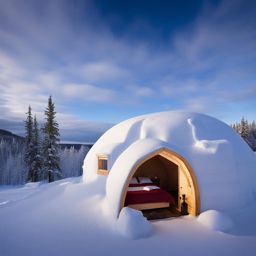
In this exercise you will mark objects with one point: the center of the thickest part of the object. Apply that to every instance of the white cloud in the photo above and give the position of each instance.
(171, 87)
(198, 104)
(88, 92)
(103, 72)
(142, 91)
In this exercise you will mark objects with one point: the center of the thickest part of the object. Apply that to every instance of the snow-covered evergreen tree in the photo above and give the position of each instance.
(50, 148)
(253, 129)
(29, 144)
(244, 132)
(252, 135)
(247, 131)
(36, 154)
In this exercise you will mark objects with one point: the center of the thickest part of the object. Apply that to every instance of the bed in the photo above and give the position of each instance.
(143, 195)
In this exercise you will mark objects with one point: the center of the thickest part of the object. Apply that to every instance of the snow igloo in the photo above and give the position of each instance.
(184, 155)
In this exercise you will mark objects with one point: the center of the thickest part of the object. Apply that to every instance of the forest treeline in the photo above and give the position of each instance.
(13, 170)
(247, 130)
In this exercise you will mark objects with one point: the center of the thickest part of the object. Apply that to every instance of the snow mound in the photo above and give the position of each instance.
(215, 220)
(132, 224)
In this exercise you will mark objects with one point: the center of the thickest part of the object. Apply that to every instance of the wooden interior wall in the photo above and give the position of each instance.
(153, 168)
(171, 170)
(186, 187)
(187, 182)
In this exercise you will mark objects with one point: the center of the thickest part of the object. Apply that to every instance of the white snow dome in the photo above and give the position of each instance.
(200, 156)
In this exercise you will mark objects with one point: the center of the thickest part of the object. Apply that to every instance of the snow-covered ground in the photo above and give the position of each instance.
(70, 218)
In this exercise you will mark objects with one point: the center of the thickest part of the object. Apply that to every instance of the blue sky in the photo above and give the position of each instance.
(106, 61)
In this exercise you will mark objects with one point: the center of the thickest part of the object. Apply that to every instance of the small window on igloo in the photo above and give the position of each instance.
(103, 165)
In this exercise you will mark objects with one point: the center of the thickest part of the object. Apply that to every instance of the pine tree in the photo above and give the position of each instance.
(36, 154)
(244, 129)
(252, 135)
(253, 129)
(51, 159)
(29, 143)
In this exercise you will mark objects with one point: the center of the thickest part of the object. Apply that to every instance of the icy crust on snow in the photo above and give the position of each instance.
(215, 220)
(132, 224)
(223, 163)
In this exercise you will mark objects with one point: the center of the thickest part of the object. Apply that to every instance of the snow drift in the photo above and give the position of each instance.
(132, 224)
(215, 220)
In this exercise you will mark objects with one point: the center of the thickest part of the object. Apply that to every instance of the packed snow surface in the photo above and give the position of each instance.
(223, 163)
(69, 218)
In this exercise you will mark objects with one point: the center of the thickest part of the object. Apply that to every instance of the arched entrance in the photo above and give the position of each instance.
(180, 177)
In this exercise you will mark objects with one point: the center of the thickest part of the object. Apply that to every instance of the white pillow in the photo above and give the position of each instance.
(145, 180)
(134, 181)
(149, 188)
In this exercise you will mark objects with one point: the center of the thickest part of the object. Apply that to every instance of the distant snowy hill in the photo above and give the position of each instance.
(7, 135)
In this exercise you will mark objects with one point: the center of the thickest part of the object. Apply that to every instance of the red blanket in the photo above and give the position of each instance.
(152, 196)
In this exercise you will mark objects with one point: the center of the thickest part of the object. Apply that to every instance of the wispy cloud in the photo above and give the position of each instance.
(104, 72)
(142, 91)
(88, 92)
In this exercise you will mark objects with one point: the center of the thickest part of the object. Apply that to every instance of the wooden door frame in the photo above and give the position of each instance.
(183, 165)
